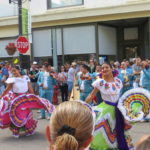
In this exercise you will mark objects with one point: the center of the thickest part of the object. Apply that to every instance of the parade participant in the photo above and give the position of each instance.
(85, 84)
(145, 80)
(71, 76)
(67, 66)
(126, 76)
(95, 77)
(33, 74)
(145, 76)
(117, 65)
(78, 66)
(128, 64)
(54, 74)
(16, 105)
(46, 81)
(136, 72)
(41, 72)
(109, 129)
(78, 79)
(2, 82)
(95, 74)
(62, 81)
(5, 70)
(92, 66)
(70, 127)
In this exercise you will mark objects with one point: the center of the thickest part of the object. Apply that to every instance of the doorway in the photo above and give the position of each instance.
(131, 51)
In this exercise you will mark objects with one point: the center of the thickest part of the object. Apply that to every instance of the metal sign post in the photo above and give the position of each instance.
(22, 57)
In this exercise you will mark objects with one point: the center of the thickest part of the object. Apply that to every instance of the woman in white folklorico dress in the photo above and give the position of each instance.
(110, 125)
(16, 103)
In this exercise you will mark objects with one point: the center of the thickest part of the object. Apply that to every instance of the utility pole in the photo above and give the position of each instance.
(54, 48)
(20, 28)
(20, 16)
(22, 58)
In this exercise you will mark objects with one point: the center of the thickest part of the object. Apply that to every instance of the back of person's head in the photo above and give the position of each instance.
(71, 126)
(143, 143)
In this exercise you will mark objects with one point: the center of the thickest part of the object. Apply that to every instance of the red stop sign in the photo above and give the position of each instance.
(22, 44)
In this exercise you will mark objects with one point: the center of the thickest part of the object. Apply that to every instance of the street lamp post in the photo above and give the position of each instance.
(22, 57)
(20, 28)
(20, 16)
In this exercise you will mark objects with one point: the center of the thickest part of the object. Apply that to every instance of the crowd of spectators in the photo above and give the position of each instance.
(56, 86)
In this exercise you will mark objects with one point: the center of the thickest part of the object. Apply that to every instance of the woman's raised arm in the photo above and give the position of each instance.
(91, 96)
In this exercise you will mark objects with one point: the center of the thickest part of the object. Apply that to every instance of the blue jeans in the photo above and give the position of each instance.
(70, 86)
(2, 88)
(47, 94)
(83, 96)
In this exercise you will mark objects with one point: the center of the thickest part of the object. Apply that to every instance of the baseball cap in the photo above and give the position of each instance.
(73, 64)
(34, 63)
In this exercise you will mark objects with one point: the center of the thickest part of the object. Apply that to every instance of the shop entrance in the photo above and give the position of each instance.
(132, 37)
(131, 51)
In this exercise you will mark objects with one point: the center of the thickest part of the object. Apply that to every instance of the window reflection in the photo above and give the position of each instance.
(64, 3)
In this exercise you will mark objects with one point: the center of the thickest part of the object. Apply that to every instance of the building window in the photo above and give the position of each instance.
(131, 33)
(64, 3)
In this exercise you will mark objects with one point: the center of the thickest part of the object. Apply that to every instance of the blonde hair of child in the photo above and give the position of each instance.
(75, 115)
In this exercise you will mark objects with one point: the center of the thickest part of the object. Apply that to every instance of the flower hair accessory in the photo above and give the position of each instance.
(100, 75)
(114, 72)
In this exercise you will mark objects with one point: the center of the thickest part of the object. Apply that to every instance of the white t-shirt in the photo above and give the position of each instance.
(82, 85)
(141, 76)
(123, 71)
(110, 91)
(20, 84)
(70, 74)
(46, 75)
(62, 77)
